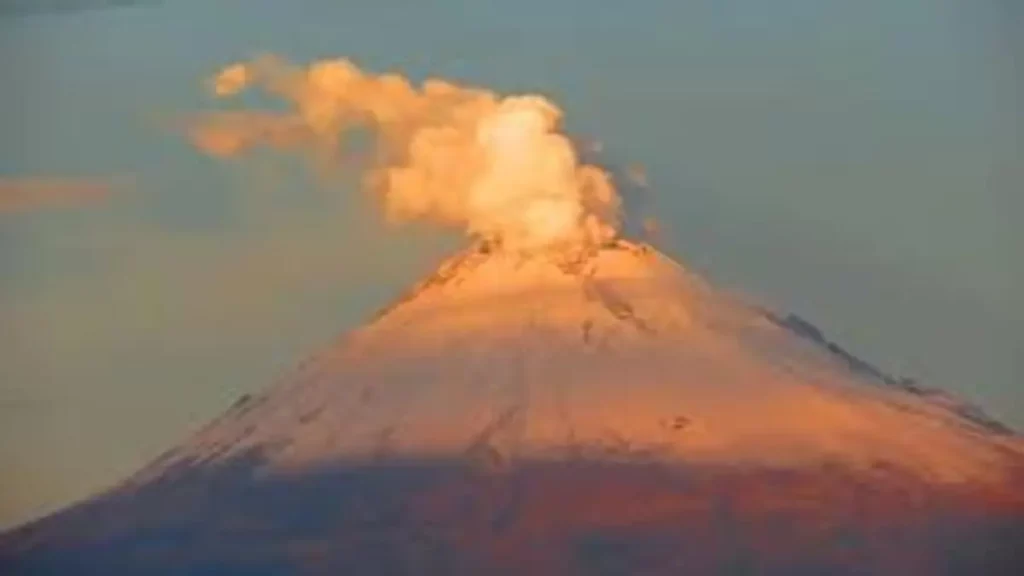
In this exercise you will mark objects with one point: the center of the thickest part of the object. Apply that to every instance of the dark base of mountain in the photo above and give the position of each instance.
(564, 518)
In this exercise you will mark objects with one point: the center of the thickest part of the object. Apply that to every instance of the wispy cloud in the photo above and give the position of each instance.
(22, 194)
(228, 134)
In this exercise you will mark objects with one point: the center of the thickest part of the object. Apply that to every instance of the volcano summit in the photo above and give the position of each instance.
(596, 411)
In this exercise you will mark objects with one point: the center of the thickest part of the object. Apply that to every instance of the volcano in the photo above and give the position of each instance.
(597, 411)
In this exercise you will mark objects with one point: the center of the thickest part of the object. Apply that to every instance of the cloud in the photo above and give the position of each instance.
(229, 134)
(497, 166)
(23, 194)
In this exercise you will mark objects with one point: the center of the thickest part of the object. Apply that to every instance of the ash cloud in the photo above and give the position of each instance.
(497, 166)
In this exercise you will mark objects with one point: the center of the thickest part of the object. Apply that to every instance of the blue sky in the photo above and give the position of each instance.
(856, 162)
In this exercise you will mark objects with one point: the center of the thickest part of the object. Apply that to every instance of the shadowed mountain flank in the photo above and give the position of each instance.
(578, 516)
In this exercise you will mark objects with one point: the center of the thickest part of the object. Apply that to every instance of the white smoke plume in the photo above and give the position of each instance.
(497, 166)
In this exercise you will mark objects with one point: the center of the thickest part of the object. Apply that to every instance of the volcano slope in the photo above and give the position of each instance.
(600, 412)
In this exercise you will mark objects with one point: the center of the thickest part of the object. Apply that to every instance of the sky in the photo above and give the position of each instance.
(858, 163)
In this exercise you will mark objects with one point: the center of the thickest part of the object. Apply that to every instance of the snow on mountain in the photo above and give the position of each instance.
(619, 350)
(600, 411)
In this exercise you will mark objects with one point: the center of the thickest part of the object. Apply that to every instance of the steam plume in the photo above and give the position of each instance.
(497, 166)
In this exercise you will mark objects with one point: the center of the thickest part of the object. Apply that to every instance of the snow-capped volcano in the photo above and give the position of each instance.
(514, 403)
(615, 351)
